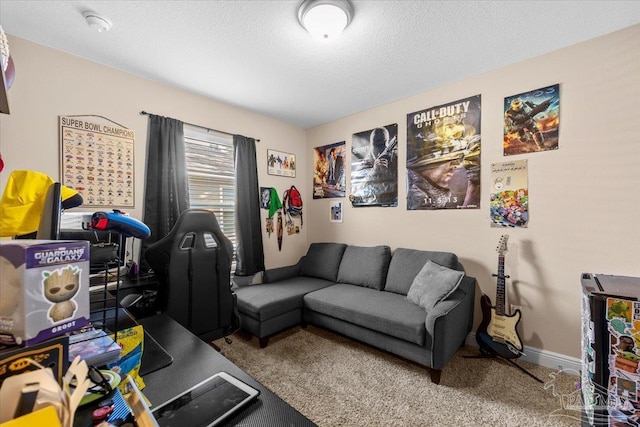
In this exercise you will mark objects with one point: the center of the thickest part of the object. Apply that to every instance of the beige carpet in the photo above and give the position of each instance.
(335, 381)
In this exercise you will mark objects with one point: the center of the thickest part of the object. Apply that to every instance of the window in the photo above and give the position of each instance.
(210, 169)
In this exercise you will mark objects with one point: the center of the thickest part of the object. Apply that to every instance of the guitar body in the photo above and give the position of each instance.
(497, 334)
(503, 328)
(498, 331)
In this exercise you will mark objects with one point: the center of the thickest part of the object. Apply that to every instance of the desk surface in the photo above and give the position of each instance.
(194, 361)
(98, 281)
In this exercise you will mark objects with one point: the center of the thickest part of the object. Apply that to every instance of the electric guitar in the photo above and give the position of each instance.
(497, 334)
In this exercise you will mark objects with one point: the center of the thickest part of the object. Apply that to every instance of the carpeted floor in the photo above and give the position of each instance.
(335, 381)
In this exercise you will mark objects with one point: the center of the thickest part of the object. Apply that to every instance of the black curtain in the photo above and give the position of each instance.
(249, 251)
(167, 188)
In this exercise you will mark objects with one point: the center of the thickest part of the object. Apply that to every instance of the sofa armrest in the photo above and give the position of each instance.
(282, 273)
(449, 323)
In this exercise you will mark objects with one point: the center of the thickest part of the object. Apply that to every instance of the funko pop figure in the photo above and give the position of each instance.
(60, 287)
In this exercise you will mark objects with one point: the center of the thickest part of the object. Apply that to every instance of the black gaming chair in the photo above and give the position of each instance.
(193, 266)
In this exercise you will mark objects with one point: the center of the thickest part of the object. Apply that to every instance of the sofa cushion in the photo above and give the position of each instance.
(433, 284)
(323, 260)
(365, 266)
(407, 263)
(267, 300)
(384, 312)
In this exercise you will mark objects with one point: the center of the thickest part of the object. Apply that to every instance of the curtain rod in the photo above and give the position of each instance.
(144, 113)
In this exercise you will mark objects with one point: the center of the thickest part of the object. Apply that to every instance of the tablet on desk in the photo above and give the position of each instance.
(206, 404)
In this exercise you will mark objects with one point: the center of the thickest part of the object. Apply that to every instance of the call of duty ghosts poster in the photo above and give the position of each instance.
(531, 121)
(374, 167)
(443, 156)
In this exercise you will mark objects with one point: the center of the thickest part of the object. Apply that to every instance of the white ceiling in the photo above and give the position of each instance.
(255, 55)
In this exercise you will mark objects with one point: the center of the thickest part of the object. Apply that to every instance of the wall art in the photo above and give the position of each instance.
(532, 121)
(443, 156)
(97, 160)
(265, 197)
(281, 164)
(335, 212)
(329, 173)
(374, 167)
(509, 194)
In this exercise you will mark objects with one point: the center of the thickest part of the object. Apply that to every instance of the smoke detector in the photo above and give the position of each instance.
(99, 23)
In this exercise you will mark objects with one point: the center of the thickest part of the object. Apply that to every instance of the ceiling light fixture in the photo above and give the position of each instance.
(99, 23)
(325, 19)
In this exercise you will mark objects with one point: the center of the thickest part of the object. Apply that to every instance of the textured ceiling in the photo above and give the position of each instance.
(254, 54)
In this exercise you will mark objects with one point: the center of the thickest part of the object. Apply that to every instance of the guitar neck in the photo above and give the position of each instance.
(501, 287)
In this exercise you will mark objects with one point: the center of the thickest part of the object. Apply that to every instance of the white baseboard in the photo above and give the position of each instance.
(548, 359)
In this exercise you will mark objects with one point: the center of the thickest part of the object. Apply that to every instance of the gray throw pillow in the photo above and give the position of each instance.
(406, 263)
(433, 284)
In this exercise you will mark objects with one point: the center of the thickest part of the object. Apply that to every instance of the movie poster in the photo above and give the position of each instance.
(509, 194)
(443, 156)
(374, 167)
(329, 174)
(531, 121)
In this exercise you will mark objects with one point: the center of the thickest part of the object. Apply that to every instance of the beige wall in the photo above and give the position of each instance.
(50, 83)
(584, 197)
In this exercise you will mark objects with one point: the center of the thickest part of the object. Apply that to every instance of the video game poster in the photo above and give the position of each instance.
(443, 156)
(374, 167)
(532, 121)
(329, 174)
(509, 195)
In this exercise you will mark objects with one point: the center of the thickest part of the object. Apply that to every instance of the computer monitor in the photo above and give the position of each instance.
(49, 227)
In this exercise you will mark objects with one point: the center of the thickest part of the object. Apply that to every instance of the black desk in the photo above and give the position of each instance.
(103, 295)
(194, 361)
(147, 282)
(97, 282)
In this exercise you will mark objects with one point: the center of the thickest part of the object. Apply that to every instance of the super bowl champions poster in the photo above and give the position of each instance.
(443, 156)
(532, 121)
(374, 167)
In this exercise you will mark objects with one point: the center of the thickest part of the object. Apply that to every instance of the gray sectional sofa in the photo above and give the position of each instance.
(415, 304)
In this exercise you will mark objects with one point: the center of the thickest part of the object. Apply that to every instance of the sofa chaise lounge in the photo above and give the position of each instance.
(415, 304)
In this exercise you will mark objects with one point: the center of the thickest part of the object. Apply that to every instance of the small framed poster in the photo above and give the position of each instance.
(336, 212)
(281, 164)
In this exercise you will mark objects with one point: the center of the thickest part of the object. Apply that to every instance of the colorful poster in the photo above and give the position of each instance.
(97, 160)
(623, 317)
(509, 194)
(443, 156)
(374, 167)
(329, 175)
(281, 164)
(531, 121)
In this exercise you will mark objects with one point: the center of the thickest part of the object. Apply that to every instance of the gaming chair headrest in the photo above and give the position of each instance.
(199, 222)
